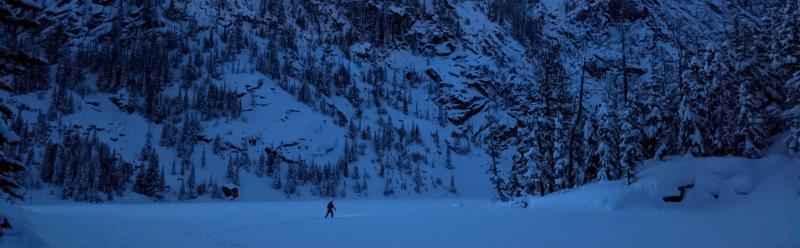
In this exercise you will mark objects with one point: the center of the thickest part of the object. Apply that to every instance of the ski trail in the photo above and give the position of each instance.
(353, 215)
(207, 233)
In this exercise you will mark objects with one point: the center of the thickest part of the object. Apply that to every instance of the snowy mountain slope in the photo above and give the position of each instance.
(291, 98)
(613, 122)
(274, 117)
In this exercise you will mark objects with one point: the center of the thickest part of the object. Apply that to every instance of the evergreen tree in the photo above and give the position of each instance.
(355, 175)
(630, 145)
(452, 188)
(191, 184)
(203, 159)
(518, 179)
(756, 89)
(218, 145)
(261, 166)
(448, 159)
(657, 120)
(588, 171)
(607, 153)
(388, 188)
(48, 172)
(498, 182)
(752, 134)
(276, 182)
(139, 181)
(793, 140)
(364, 185)
(785, 40)
(718, 100)
(169, 134)
(692, 112)
(182, 192)
(42, 127)
(162, 182)
(537, 174)
(418, 181)
(232, 171)
(562, 174)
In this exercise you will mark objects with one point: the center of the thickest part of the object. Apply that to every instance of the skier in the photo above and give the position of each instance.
(330, 209)
(5, 225)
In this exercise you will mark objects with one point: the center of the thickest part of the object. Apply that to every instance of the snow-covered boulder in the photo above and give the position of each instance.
(685, 183)
(230, 190)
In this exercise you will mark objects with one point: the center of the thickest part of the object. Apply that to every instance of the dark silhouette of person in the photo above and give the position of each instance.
(330, 209)
(4, 225)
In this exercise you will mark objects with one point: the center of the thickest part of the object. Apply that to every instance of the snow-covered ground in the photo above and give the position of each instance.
(757, 207)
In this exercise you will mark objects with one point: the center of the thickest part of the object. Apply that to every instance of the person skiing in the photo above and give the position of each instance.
(330, 209)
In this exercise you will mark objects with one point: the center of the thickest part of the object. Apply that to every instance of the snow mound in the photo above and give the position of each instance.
(20, 234)
(710, 183)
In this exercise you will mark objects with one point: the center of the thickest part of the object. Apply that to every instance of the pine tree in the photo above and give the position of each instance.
(191, 184)
(203, 159)
(139, 185)
(260, 166)
(147, 151)
(244, 156)
(218, 145)
(182, 192)
(151, 182)
(272, 166)
(184, 162)
(49, 163)
(538, 174)
(518, 180)
(657, 120)
(453, 185)
(608, 164)
(793, 141)
(494, 153)
(785, 40)
(719, 101)
(448, 158)
(562, 173)
(692, 112)
(418, 181)
(759, 88)
(162, 182)
(589, 166)
(388, 189)
(630, 145)
(276, 182)
(364, 185)
(42, 127)
(232, 171)
(355, 175)
(169, 134)
(752, 134)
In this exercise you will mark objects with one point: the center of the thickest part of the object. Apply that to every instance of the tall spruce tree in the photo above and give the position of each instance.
(607, 149)
(630, 149)
(692, 112)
